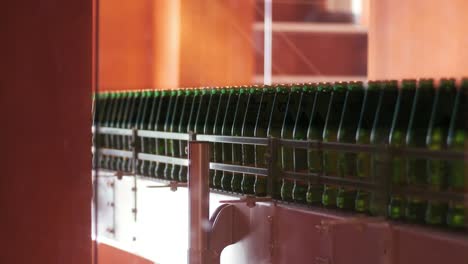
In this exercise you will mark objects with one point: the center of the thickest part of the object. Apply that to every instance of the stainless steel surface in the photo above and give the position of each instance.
(116, 152)
(199, 226)
(163, 159)
(112, 131)
(233, 139)
(163, 135)
(238, 168)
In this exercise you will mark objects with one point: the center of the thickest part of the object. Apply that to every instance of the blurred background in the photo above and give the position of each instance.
(184, 43)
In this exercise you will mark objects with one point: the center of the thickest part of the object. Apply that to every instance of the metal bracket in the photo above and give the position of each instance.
(227, 227)
(172, 185)
(360, 223)
(249, 200)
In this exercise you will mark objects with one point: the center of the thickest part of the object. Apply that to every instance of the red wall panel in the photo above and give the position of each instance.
(45, 106)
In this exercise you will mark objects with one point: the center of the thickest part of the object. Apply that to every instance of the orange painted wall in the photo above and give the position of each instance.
(125, 44)
(175, 43)
(418, 38)
(45, 136)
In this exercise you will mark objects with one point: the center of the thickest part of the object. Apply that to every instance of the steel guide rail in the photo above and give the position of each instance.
(277, 174)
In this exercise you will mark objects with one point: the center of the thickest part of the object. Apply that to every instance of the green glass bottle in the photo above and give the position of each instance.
(226, 130)
(436, 139)
(248, 130)
(160, 125)
(287, 156)
(102, 106)
(190, 128)
(123, 163)
(215, 94)
(401, 117)
(142, 124)
(167, 127)
(108, 123)
(314, 133)
(202, 111)
(173, 145)
(120, 118)
(137, 121)
(108, 117)
(330, 132)
(150, 142)
(416, 170)
(304, 115)
(457, 169)
(187, 107)
(121, 124)
(217, 130)
(347, 134)
(261, 131)
(114, 123)
(133, 112)
(380, 137)
(172, 171)
(241, 107)
(363, 160)
(275, 126)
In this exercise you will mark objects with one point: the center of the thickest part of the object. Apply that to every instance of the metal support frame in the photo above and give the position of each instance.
(199, 190)
(275, 174)
(198, 163)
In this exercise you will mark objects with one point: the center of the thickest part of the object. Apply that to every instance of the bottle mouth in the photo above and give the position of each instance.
(324, 87)
(408, 84)
(340, 86)
(447, 84)
(373, 85)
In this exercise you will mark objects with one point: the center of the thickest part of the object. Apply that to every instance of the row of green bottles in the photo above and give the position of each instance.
(416, 114)
(116, 110)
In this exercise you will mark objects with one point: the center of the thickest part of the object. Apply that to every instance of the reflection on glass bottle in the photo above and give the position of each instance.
(248, 129)
(160, 123)
(363, 160)
(217, 129)
(154, 112)
(436, 139)
(171, 144)
(416, 168)
(226, 130)
(347, 134)
(303, 117)
(143, 124)
(236, 130)
(210, 119)
(330, 132)
(457, 170)
(399, 129)
(287, 158)
(380, 137)
(278, 110)
(261, 130)
(102, 107)
(315, 133)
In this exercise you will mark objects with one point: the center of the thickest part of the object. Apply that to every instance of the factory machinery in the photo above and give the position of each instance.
(318, 173)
